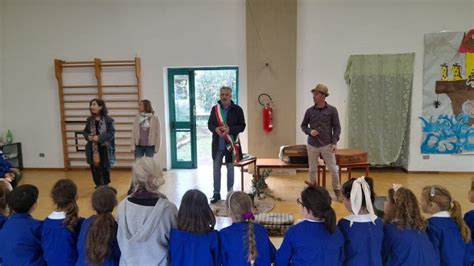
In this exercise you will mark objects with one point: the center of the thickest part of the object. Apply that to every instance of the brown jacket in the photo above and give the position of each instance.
(154, 138)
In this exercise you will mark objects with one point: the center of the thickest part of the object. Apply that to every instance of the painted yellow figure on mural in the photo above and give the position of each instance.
(444, 72)
(457, 72)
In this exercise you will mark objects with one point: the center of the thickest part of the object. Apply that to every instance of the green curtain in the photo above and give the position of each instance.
(379, 106)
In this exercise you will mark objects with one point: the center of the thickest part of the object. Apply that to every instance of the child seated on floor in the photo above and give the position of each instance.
(363, 230)
(5, 189)
(8, 173)
(446, 228)
(405, 241)
(195, 242)
(244, 242)
(316, 240)
(61, 228)
(20, 237)
(469, 220)
(97, 243)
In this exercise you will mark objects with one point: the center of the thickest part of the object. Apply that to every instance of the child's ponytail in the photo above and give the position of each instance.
(64, 195)
(456, 214)
(318, 201)
(101, 233)
(441, 196)
(103, 228)
(330, 220)
(72, 216)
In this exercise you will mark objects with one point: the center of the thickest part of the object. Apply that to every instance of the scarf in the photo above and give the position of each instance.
(95, 145)
(233, 144)
(144, 120)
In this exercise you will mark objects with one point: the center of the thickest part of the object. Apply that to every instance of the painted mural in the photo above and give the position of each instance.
(448, 93)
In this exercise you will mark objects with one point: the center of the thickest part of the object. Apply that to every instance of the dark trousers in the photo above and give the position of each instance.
(140, 151)
(100, 175)
(217, 164)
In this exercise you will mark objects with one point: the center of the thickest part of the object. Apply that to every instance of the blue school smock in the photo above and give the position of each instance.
(362, 240)
(235, 252)
(59, 244)
(194, 249)
(469, 220)
(310, 243)
(445, 235)
(20, 241)
(3, 219)
(114, 250)
(407, 247)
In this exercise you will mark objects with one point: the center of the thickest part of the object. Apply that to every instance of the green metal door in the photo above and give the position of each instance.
(182, 118)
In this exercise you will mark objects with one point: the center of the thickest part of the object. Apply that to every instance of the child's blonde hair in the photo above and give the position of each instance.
(5, 188)
(443, 199)
(240, 206)
(405, 212)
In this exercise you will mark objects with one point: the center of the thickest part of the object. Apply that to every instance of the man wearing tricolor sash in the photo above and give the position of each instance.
(226, 121)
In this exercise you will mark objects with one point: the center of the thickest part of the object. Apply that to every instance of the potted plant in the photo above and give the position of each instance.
(259, 186)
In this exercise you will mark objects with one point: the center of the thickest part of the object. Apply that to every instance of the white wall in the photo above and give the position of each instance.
(330, 31)
(163, 33)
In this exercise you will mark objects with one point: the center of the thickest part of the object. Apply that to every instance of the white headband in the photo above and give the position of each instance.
(361, 189)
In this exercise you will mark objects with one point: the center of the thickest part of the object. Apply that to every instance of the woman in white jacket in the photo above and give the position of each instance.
(146, 132)
(145, 218)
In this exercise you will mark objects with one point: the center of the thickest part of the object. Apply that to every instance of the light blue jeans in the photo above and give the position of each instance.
(217, 164)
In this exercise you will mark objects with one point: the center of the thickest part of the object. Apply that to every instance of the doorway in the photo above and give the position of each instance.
(192, 93)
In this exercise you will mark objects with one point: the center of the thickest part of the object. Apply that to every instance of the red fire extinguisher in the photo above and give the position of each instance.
(267, 112)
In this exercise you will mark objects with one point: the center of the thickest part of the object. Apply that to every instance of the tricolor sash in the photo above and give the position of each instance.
(232, 144)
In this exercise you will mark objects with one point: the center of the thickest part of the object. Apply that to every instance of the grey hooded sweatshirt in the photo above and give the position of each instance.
(144, 232)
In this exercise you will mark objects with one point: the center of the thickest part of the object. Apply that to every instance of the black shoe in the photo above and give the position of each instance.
(215, 198)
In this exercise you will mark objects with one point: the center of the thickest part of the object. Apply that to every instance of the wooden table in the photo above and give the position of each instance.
(277, 163)
(242, 164)
(322, 170)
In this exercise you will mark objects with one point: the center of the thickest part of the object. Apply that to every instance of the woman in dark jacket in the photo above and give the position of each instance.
(100, 148)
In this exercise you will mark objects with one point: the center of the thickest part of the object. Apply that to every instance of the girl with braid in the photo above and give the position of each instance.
(97, 244)
(61, 228)
(195, 242)
(244, 242)
(316, 240)
(446, 228)
(405, 241)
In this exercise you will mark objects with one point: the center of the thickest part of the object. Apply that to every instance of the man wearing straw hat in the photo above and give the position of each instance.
(321, 124)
